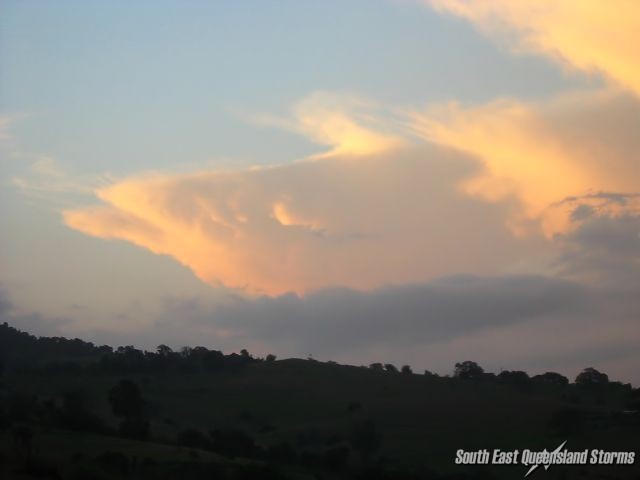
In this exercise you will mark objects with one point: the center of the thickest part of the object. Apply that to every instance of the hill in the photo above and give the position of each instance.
(72, 410)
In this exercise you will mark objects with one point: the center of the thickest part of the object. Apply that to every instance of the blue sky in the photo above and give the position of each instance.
(142, 85)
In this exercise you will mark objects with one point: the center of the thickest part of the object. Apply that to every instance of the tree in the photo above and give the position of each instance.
(468, 370)
(213, 360)
(391, 368)
(164, 351)
(551, 378)
(516, 378)
(406, 369)
(376, 366)
(126, 400)
(271, 358)
(590, 377)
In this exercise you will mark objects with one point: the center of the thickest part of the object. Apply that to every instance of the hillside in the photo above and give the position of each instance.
(73, 410)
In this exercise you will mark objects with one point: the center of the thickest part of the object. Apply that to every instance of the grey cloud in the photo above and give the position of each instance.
(337, 320)
(606, 249)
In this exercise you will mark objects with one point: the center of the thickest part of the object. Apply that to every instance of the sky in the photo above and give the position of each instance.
(405, 181)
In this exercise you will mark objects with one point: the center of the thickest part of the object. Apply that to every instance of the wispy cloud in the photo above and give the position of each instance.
(347, 124)
(590, 36)
(48, 181)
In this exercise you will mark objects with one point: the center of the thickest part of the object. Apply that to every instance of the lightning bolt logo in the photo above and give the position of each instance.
(546, 467)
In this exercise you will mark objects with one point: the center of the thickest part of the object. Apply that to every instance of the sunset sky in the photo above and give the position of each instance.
(415, 182)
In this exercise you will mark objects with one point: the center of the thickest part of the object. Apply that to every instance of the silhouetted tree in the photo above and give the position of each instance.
(126, 400)
(406, 369)
(213, 361)
(551, 378)
(164, 351)
(377, 366)
(468, 370)
(270, 358)
(590, 377)
(389, 367)
(516, 378)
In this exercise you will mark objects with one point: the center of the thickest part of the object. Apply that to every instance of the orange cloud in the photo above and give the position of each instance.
(541, 154)
(388, 218)
(345, 123)
(372, 210)
(395, 211)
(589, 35)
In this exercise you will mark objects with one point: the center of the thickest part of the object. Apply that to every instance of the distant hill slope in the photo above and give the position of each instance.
(21, 348)
(199, 412)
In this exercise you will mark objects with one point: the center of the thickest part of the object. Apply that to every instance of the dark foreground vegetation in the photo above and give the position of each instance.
(73, 410)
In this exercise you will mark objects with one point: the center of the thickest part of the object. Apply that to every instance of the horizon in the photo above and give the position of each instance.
(186, 350)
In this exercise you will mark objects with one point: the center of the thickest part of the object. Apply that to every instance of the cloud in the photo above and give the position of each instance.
(399, 212)
(540, 154)
(395, 217)
(591, 36)
(349, 125)
(47, 180)
(604, 250)
(339, 320)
